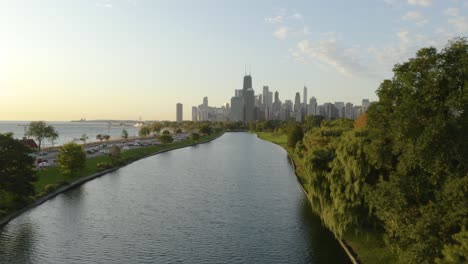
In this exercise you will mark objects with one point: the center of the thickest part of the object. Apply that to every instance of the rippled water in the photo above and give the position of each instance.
(234, 200)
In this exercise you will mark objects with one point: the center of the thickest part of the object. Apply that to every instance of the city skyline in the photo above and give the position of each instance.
(121, 59)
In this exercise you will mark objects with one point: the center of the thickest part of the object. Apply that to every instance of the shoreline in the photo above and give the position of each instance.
(348, 250)
(5, 220)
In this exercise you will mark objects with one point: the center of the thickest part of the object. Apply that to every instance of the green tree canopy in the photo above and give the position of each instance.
(17, 173)
(71, 158)
(39, 130)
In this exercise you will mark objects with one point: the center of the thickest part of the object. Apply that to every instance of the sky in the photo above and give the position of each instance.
(122, 59)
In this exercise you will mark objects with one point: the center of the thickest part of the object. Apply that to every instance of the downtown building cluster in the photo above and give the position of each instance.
(246, 106)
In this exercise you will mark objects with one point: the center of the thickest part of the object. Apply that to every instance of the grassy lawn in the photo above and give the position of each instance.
(53, 175)
(279, 139)
(369, 246)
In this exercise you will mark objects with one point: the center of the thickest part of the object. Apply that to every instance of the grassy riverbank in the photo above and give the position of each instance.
(369, 246)
(51, 178)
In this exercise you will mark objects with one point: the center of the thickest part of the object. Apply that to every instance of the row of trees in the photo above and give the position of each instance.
(401, 169)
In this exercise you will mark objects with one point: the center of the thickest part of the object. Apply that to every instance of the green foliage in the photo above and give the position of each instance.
(39, 130)
(194, 137)
(178, 131)
(295, 135)
(144, 131)
(17, 174)
(403, 172)
(166, 132)
(100, 137)
(71, 158)
(205, 129)
(456, 253)
(166, 139)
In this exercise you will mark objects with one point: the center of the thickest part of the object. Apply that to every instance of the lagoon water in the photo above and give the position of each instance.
(233, 200)
(68, 131)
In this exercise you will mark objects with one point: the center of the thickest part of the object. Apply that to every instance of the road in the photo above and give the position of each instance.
(95, 150)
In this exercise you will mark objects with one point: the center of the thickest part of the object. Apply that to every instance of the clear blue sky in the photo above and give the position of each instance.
(120, 59)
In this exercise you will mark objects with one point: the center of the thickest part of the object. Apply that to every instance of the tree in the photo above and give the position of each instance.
(106, 137)
(422, 116)
(194, 137)
(39, 130)
(205, 129)
(124, 134)
(361, 121)
(115, 154)
(144, 131)
(71, 158)
(165, 139)
(295, 135)
(166, 132)
(178, 131)
(155, 127)
(53, 136)
(17, 174)
(100, 137)
(84, 138)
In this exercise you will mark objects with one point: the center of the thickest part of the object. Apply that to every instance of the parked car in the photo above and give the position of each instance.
(43, 164)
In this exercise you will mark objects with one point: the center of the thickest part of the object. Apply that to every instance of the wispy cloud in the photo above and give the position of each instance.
(420, 2)
(329, 52)
(104, 3)
(416, 17)
(282, 32)
(452, 11)
(274, 20)
(460, 24)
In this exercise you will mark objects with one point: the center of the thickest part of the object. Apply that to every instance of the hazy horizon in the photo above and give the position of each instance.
(122, 59)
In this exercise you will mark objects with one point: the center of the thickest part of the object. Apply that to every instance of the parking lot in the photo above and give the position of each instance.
(46, 159)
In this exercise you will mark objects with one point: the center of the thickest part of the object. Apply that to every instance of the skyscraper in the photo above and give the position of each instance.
(349, 111)
(247, 82)
(194, 113)
(340, 109)
(298, 108)
(365, 105)
(312, 109)
(297, 103)
(305, 98)
(249, 100)
(179, 112)
(237, 109)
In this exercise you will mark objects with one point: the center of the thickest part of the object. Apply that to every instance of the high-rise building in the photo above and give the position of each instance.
(330, 111)
(247, 82)
(312, 109)
(194, 113)
(205, 101)
(237, 109)
(349, 111)
(340, 109)
(249, 100)
(179, 112)
(365, 105)
(305, 99)
(297, 103)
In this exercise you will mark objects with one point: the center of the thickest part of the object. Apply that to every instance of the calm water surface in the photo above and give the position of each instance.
(234, 200)
(70, 131)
